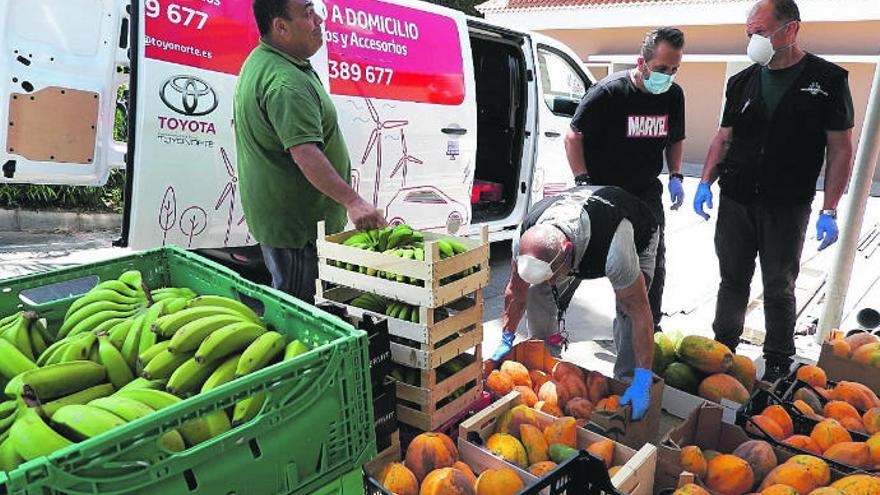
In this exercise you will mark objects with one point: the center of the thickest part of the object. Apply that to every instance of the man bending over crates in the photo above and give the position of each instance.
(587, 232)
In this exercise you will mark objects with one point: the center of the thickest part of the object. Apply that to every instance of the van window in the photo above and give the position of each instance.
(559, 77)
(424, 197)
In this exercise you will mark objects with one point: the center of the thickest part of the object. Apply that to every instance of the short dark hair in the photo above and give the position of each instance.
(670, 35)
(265, 11)
(785, 11)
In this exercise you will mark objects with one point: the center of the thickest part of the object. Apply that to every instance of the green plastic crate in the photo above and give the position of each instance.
(315, 426)
(350, 484)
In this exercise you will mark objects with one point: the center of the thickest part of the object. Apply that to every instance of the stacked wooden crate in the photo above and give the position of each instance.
(438, 359)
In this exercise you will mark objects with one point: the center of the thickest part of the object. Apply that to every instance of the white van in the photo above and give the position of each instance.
(451, 121)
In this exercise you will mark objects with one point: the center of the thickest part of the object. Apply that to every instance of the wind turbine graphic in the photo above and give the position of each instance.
(228, 192)
(405, 159)
(375, 142)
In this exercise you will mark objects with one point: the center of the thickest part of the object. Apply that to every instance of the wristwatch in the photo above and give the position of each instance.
(831, 212)
(677, 176)
(583, 179)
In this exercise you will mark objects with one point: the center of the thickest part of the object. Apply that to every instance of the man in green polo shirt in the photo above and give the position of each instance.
(293, 163)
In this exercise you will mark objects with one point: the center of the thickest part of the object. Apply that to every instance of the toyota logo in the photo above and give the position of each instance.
(188, 95)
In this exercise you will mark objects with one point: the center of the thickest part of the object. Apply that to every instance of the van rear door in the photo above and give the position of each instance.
(62, 64)
(562, 83)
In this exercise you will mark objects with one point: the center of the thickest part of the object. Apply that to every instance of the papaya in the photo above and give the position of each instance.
(829, 432)
(692, 461)
(574, 387)
(794, 475)
(743, 369)
(841, 348)
(541, 469)
(538, 378)
(502, 481)
(396, 478)
(518, 373)
(826, 490)
(580, 409)
(560, 453)
(720, 386)
(818, 469)
(809, 397)
(805, 409)
(604, 449)
(838, 409)
(705, 354)
(860, 339)
(780, 416)
(804, 443)
(664, 352)
(874, 447)
(512, 419)
(608, 404)
(464, 468)
(499, 383)
(563, 369)
(526, 395)
(535, 444)
(858, 484)
(729, 475)
(683, 377)
(562, 431)
(769, 426)
(690, 489)
(779, 489)
(447, 481)
(813, 375)
(760, 456)
(430, 451)
(856, 454)
(867, 354)
(597, 386)
(548, 408)
(858, 395)
(871, 420)
(853, 424)
(508, 448)
(554, 393)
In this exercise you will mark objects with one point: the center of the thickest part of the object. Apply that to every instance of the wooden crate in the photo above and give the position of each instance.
(392, 454)
(636, 477)
(430, 272)
(431, 390)
(463, 328)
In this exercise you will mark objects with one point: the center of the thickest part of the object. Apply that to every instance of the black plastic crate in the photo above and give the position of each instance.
(385, 414)
(583, 474)
(380, 342)
(803, 425)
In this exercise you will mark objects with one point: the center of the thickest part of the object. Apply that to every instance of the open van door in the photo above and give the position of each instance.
(63, 63)
(562, 83)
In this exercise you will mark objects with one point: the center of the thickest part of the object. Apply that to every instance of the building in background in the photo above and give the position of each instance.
(606, 35)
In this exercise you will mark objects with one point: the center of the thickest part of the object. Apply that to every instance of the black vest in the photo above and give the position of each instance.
(606, 207)
(777, 160)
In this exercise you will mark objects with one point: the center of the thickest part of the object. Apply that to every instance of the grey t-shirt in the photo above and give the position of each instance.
(623, 264)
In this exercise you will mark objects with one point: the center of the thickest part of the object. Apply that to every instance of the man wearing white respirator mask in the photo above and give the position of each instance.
(587, 232)
(784, 116)
(626, 125)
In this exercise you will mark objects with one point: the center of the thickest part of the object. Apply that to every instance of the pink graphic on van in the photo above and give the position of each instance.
(381, 50)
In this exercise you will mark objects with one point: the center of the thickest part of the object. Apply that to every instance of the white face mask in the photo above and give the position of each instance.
(535, 271)
(761, 49)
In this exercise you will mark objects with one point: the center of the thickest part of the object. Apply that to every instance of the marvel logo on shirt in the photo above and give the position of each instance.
(647, 126)
(625, 131)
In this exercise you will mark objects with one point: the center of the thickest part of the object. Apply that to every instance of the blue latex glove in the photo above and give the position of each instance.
(504, 347)
(703, 197)
(639, 393)
(826, 231)
(676, 192)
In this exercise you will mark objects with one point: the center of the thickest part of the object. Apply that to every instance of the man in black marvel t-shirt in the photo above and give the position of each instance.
(625, 125)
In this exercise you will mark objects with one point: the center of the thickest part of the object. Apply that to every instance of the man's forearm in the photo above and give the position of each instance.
(717, 151)
(643, 337)
(320, 173)
(837, 173)
(674, 154)
(574, 150)
(514, 308)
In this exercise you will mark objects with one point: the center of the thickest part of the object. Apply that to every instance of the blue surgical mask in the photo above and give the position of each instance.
(658, 82)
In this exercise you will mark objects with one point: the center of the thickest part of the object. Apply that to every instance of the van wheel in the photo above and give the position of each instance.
(453, 223)
(394, 222)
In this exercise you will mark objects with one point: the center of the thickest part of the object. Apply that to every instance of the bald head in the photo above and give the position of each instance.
(543, 242)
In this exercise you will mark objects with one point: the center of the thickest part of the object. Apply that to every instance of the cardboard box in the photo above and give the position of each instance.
(636, 477)
(617, 426)
(840, 369)
(681, 404)
(706, 429)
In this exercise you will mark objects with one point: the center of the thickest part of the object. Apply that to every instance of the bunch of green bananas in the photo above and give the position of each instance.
(401, 241)
(85, 383)
(381, 305)
(23, 337)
